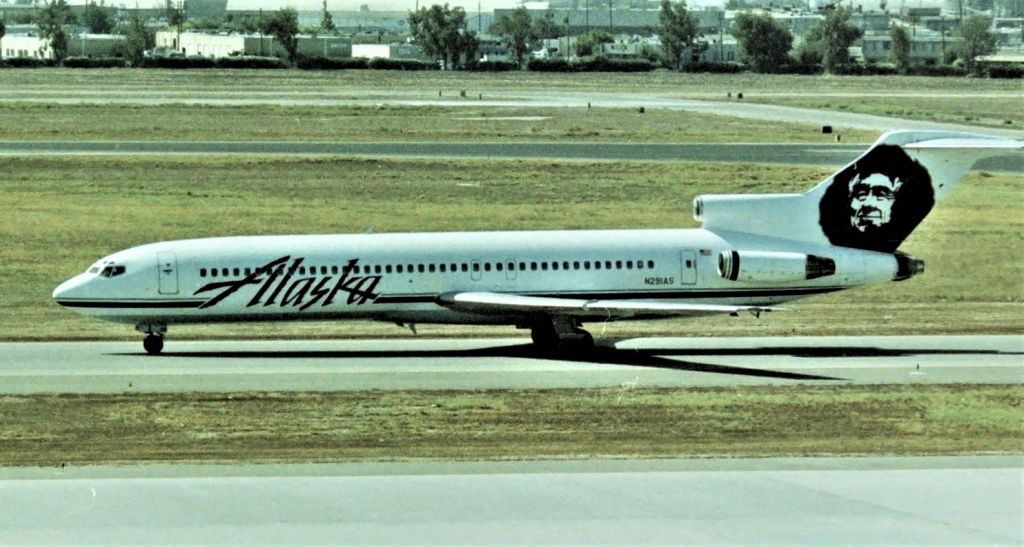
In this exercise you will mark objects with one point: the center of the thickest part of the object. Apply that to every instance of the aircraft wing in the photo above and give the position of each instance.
(488, 303)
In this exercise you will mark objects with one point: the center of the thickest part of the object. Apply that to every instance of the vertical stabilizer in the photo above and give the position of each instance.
(873, 203)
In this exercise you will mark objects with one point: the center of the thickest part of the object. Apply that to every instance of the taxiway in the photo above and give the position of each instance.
(226, 366)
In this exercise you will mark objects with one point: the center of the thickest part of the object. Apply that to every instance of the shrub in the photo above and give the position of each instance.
(715, 68)
(250, 61)
(324, 63)
(944, 70)
(378, 63)
(604, 64)
(179, 62)
(28, 62)
(94, 62)
(1005, 72)
(491, 66)
(548, 65)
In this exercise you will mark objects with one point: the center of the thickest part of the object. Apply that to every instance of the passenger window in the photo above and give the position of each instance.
(202, 272)
(629, 264)
(224, 271)
(431, 268)
(334, 270)
(499, 266)
(511, 266)
(689, 263)
(554, 265)
(465, 267)
(236, 271)
(213, 272)
(618, 264)
(597, 264)
(487, 266)
(443, 268)
(399, 268)
(586, 264)
(376, 269)
(420, 268)
(533, 266)
(544, 266)
(476, 266)
(650, 264)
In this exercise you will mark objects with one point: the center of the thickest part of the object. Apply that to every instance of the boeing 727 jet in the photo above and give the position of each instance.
(751, 253)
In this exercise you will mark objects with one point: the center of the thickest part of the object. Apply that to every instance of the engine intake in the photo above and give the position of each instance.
(772, 267)
(907, 266)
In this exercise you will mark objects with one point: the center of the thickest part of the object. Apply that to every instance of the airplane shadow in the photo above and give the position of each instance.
(606, 353)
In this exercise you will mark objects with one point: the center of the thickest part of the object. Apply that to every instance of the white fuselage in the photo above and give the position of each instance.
(399, 277)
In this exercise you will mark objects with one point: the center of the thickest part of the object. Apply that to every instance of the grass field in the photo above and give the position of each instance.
(622, 423)
(392, 123)
(1002, 112)
(379, 81)
(64, 213)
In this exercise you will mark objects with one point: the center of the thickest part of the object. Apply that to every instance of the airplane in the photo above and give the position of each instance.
(751, 253)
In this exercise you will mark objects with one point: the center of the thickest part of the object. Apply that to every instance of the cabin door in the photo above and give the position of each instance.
(688, 264)
(167, 266)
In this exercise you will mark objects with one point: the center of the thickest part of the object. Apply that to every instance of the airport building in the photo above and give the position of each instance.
(226, 45)
(79, 45)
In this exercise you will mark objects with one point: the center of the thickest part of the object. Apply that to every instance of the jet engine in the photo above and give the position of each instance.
(772, 267)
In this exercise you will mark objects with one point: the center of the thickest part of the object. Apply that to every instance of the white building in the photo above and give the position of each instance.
(79, 45)
(226, 45)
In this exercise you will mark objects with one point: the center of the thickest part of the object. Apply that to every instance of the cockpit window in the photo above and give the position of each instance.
(111, 270)
(94, 269)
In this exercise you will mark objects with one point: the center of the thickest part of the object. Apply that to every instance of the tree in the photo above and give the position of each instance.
(590, 43)
(900, 48)
(97, 18)
(977, 40)
(678, 30)
(175, 13)
(441, 32)
(284, 27)
(545, 27)
(3, 31)
(51, 20)
(136, 39)
(764, 43)
(326, 21)
(833, 37)
(518, 30)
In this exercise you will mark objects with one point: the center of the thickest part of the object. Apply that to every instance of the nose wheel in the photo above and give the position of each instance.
(154, 340)
(153, 344)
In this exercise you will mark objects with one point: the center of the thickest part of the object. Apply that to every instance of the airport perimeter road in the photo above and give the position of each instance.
(222, 366)
(828, 501)
(827, 155)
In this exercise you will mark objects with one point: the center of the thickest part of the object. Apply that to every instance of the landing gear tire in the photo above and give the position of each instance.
(561, 335)
(153, 344)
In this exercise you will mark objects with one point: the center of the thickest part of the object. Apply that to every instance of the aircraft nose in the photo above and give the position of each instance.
(69, 289)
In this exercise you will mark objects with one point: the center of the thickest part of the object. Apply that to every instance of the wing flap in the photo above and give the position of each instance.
(514, 304)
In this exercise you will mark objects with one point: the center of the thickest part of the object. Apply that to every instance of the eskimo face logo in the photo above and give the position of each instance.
(871, 200)
(876, 202)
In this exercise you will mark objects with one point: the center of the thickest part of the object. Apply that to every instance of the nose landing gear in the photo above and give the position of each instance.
(153, 344)
(154, 340)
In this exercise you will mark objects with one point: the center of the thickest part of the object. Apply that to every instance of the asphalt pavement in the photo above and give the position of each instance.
(226, 366)
(828, 501)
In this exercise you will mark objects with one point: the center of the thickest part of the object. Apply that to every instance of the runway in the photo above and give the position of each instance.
(833, 501)
(825, 155)
(397, 364)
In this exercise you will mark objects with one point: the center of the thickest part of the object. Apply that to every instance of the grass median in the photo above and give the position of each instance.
(64, 213)
(527, 424)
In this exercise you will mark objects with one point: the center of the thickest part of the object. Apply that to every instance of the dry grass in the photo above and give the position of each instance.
(285, 427)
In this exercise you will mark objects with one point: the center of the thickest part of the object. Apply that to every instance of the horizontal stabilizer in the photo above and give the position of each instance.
(487, 303)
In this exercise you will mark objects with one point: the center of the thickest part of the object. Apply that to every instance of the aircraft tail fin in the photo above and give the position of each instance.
(874, 203)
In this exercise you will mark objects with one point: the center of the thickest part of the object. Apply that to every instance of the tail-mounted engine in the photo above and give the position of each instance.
(772, 267)
(907, 266)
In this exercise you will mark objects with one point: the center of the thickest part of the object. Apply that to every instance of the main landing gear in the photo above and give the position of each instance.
(154, 340)
(559, 333)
